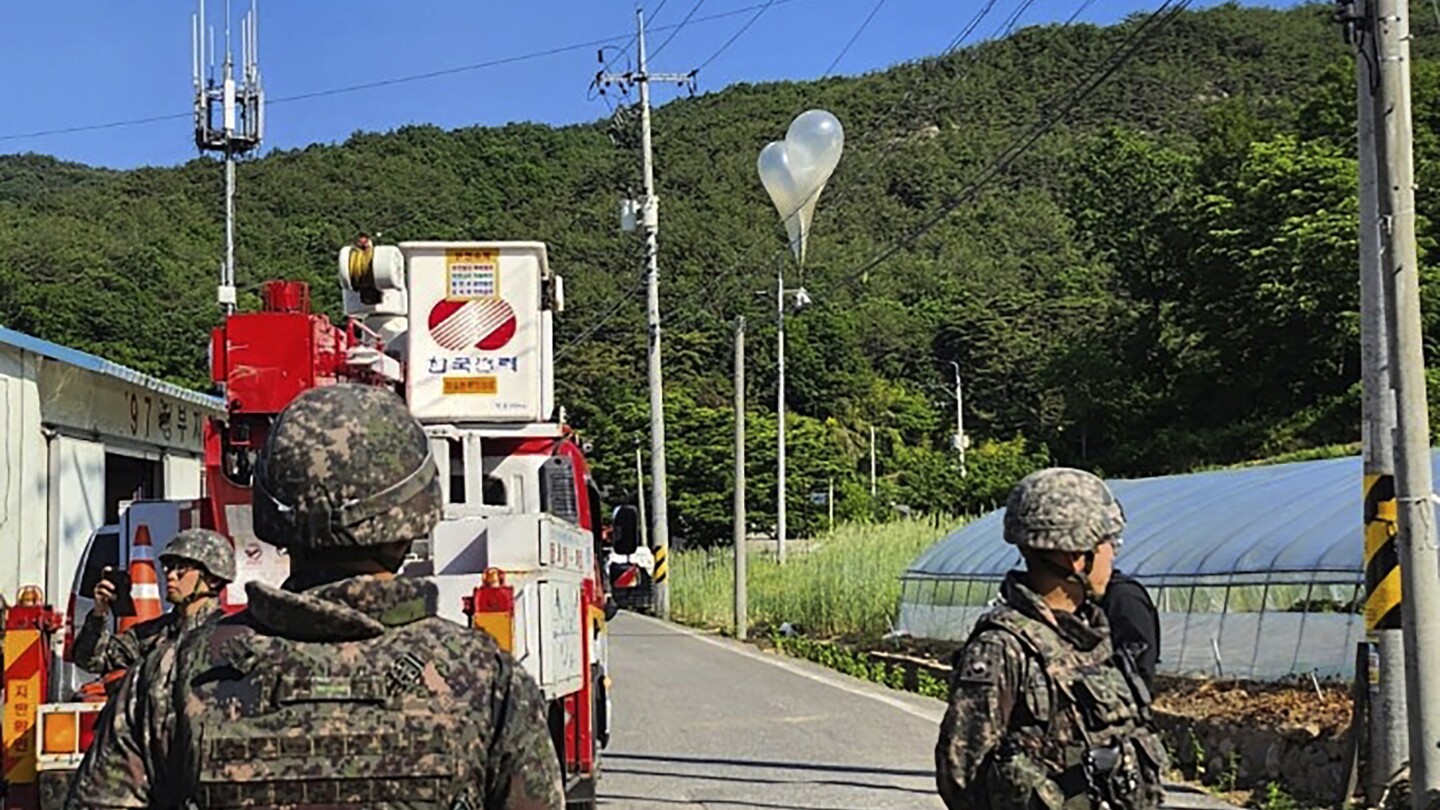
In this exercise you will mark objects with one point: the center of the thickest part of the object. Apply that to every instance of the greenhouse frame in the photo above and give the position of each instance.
(1257, 572)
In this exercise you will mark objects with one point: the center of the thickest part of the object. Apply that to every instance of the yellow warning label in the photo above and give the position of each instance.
(1382, 557)
(471, 385)
(471, 274)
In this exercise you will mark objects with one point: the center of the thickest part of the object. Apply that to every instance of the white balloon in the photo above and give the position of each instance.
(795, 171)
(785, 192)
(815, 140)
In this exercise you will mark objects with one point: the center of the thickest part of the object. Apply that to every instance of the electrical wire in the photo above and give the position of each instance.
(1008, 157)
(853, 37)
(731, 41)
(678, 28)
(1081, 10)
(354, 88)
(1167, 11)
(603, 319)
(747, 259)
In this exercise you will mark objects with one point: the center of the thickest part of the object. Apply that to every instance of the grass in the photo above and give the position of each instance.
(846, 584)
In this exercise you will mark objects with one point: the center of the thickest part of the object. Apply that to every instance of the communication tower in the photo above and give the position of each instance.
(229, 117)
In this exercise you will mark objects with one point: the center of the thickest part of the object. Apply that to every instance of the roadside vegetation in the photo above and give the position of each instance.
(842, 584)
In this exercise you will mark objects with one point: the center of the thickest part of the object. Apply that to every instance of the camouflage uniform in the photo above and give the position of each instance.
(99, 651)
(1042, 714)
(349, 693)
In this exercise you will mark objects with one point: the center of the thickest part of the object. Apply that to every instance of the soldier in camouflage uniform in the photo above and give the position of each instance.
(343, 688)
(1043, 715)
(198, 564)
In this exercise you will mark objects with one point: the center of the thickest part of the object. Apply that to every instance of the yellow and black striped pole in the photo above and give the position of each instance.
(662, 565)
(1382, 558)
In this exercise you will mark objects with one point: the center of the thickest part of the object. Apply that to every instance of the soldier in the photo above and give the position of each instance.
(198, 564)
(343, 688)
(1043, 715)
(1134, 623)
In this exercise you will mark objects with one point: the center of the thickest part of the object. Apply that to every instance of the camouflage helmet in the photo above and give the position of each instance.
(1062, 509)
(211, 551)
(345, 466)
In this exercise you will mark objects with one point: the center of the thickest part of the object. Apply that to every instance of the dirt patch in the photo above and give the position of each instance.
(1322, 708)
(1252, 704)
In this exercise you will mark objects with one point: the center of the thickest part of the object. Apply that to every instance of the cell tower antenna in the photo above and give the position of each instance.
(229, 118)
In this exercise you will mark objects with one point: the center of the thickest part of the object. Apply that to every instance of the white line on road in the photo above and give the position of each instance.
(736, 648)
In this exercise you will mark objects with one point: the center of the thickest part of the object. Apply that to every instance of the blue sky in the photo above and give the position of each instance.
(78, 63)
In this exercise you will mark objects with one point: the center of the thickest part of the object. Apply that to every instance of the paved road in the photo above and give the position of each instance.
(705, 722)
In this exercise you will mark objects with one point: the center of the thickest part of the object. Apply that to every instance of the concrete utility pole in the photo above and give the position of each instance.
(959, 418)
(1388, 736)
(802, 299)
(830, 503)
(872, 461)
(640, 497)
(780, 412)
(741, 615)
(650, 217)
(1419, 564)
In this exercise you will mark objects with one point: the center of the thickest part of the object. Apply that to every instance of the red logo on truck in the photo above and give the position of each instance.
(479, 323)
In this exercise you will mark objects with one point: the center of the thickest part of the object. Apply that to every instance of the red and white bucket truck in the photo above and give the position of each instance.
(464, 332)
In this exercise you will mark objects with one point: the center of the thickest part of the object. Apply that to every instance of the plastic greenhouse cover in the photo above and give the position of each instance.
(1286, 523)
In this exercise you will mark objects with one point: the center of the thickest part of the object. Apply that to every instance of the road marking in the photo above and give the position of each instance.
(776, 661)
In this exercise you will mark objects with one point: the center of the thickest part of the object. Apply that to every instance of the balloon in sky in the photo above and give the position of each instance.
(796, 170)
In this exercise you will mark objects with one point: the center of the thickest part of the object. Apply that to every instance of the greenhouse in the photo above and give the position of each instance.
(1257, 572)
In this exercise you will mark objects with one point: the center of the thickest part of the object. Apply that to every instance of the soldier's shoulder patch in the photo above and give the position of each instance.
(982, 660)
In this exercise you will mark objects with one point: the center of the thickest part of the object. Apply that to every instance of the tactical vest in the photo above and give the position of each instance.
(1083, 718)
(339, 725)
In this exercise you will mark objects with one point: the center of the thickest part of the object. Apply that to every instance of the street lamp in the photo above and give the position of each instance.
(801, 301)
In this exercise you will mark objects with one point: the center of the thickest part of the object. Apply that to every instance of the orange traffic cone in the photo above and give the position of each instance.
(144, 582)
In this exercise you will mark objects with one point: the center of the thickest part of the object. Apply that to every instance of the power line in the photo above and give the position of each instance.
(1081, 10)
(600, 323)
(1167, 11)
(853, 37)
(893, 144)
(355, 88)
(1007, 158)
(737, 34)
(624, 49)
(93, 127)
(683, 23)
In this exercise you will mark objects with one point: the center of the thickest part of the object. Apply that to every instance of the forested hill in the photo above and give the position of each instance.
(1165, 280)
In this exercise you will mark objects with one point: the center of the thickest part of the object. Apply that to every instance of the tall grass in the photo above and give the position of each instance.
(847, 583)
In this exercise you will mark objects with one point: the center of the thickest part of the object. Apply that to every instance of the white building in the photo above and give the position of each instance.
(79, 435)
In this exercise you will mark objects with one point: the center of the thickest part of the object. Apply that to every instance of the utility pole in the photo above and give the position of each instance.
(741, 615)
(872, 461)
(1388, 737)
(959, 418)
(1419, 565)
(780, 412)
(830, 503)
(241, 111)
(640, 497)
(802, 300)
(650, 217)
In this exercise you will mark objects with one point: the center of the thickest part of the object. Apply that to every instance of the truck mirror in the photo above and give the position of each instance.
(626, 521)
